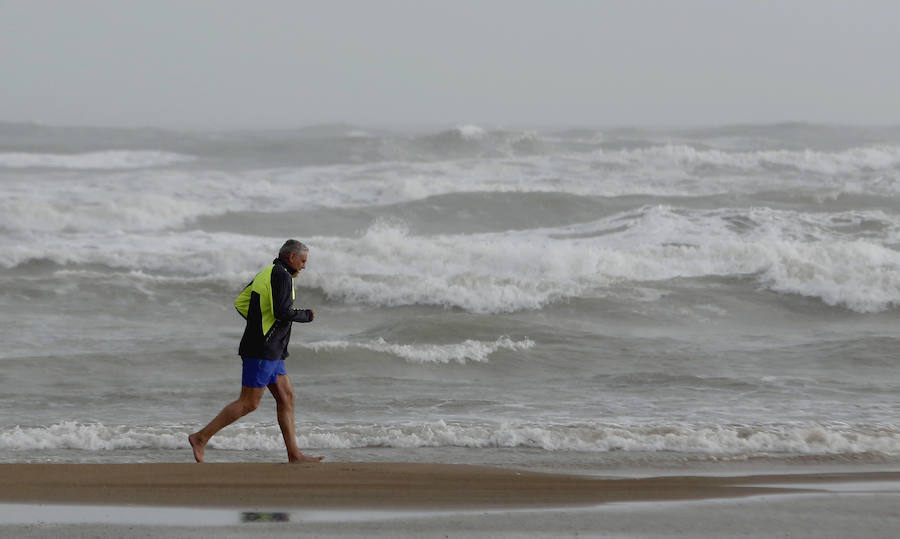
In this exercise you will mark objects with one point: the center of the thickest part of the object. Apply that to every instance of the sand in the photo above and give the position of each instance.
(404, 500)
(372, 485)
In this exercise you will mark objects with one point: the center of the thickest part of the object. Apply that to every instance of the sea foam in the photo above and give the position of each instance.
(805, 254)
(468, 350)
(502, 272)
(106, 160)
(471, 132)
(124, 196)
(714, 440)
(678, 156)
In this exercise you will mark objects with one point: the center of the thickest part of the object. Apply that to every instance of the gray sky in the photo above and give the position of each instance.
(217, 63)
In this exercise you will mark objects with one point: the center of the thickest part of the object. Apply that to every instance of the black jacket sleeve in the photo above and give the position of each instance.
(282, 302)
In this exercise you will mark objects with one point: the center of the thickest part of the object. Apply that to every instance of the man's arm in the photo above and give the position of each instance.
(283, 302)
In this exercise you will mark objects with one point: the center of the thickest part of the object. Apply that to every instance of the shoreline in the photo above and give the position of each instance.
(373, 485)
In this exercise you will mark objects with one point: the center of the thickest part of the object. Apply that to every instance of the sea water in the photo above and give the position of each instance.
(546, 297)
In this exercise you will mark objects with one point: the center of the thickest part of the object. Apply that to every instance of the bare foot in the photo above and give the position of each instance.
(197, 446)
(304, 458)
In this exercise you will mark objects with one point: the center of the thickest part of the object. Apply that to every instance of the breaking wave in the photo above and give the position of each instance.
(504, 272)
(106, 160)
(679, 156)
(714, 440)
(153, 199)
(814, 255)
(468, 350)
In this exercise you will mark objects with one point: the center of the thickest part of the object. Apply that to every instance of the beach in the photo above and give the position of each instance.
(348, 498)
(633, 332)
(610, 269)
(363, 485)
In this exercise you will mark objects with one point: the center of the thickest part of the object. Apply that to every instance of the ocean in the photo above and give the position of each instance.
(589, 300)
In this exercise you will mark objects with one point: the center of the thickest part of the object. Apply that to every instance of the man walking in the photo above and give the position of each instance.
(267, 303)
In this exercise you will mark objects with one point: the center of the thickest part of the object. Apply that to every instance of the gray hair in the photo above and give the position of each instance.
(292, 246)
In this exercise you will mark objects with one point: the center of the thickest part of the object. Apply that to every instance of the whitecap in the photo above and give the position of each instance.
(104, 160)
(468, 350)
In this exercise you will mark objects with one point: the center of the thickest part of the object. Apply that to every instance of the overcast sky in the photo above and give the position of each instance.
(217, 63)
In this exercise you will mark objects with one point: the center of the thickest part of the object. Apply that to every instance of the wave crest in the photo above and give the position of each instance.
(674, 156)
(106, 160)
(812, 255)
(715, 440)
(468, 350)
(505, 272)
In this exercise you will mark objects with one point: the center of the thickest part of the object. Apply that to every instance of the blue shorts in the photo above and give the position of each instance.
(261, 372)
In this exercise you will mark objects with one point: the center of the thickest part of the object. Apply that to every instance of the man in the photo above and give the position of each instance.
(267, 303)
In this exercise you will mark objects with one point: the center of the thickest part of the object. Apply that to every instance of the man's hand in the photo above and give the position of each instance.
(311, 314)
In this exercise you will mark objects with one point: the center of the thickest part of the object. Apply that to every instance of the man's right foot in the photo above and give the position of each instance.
(197, 446)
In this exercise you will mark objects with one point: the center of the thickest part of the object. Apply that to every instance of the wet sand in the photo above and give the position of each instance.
(346, 485)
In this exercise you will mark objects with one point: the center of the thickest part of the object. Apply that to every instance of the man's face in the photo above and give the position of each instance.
(297, 261)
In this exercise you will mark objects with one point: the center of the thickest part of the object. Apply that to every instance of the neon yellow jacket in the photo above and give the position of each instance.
(267, 303)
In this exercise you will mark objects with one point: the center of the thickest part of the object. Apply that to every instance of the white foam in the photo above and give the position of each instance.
(673, 170)
(176, 255)
(786, 252)
(858, 275)
(134, 200)
(471, 132)
(468, 350)
(155, 199)
(89, 436)
(119, 211)
(528, 270)
(853, 160)
(106, 160)
(725, 441)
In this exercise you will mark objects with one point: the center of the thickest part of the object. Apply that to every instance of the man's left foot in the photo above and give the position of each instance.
(304, 458)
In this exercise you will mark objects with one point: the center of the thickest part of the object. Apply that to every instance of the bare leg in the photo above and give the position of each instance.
(246, 403)
(284, 404)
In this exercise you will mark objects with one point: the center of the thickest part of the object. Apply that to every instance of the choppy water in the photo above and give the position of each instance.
(584, 296)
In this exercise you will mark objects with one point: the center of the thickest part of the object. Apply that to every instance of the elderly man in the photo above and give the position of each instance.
(267, 303)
